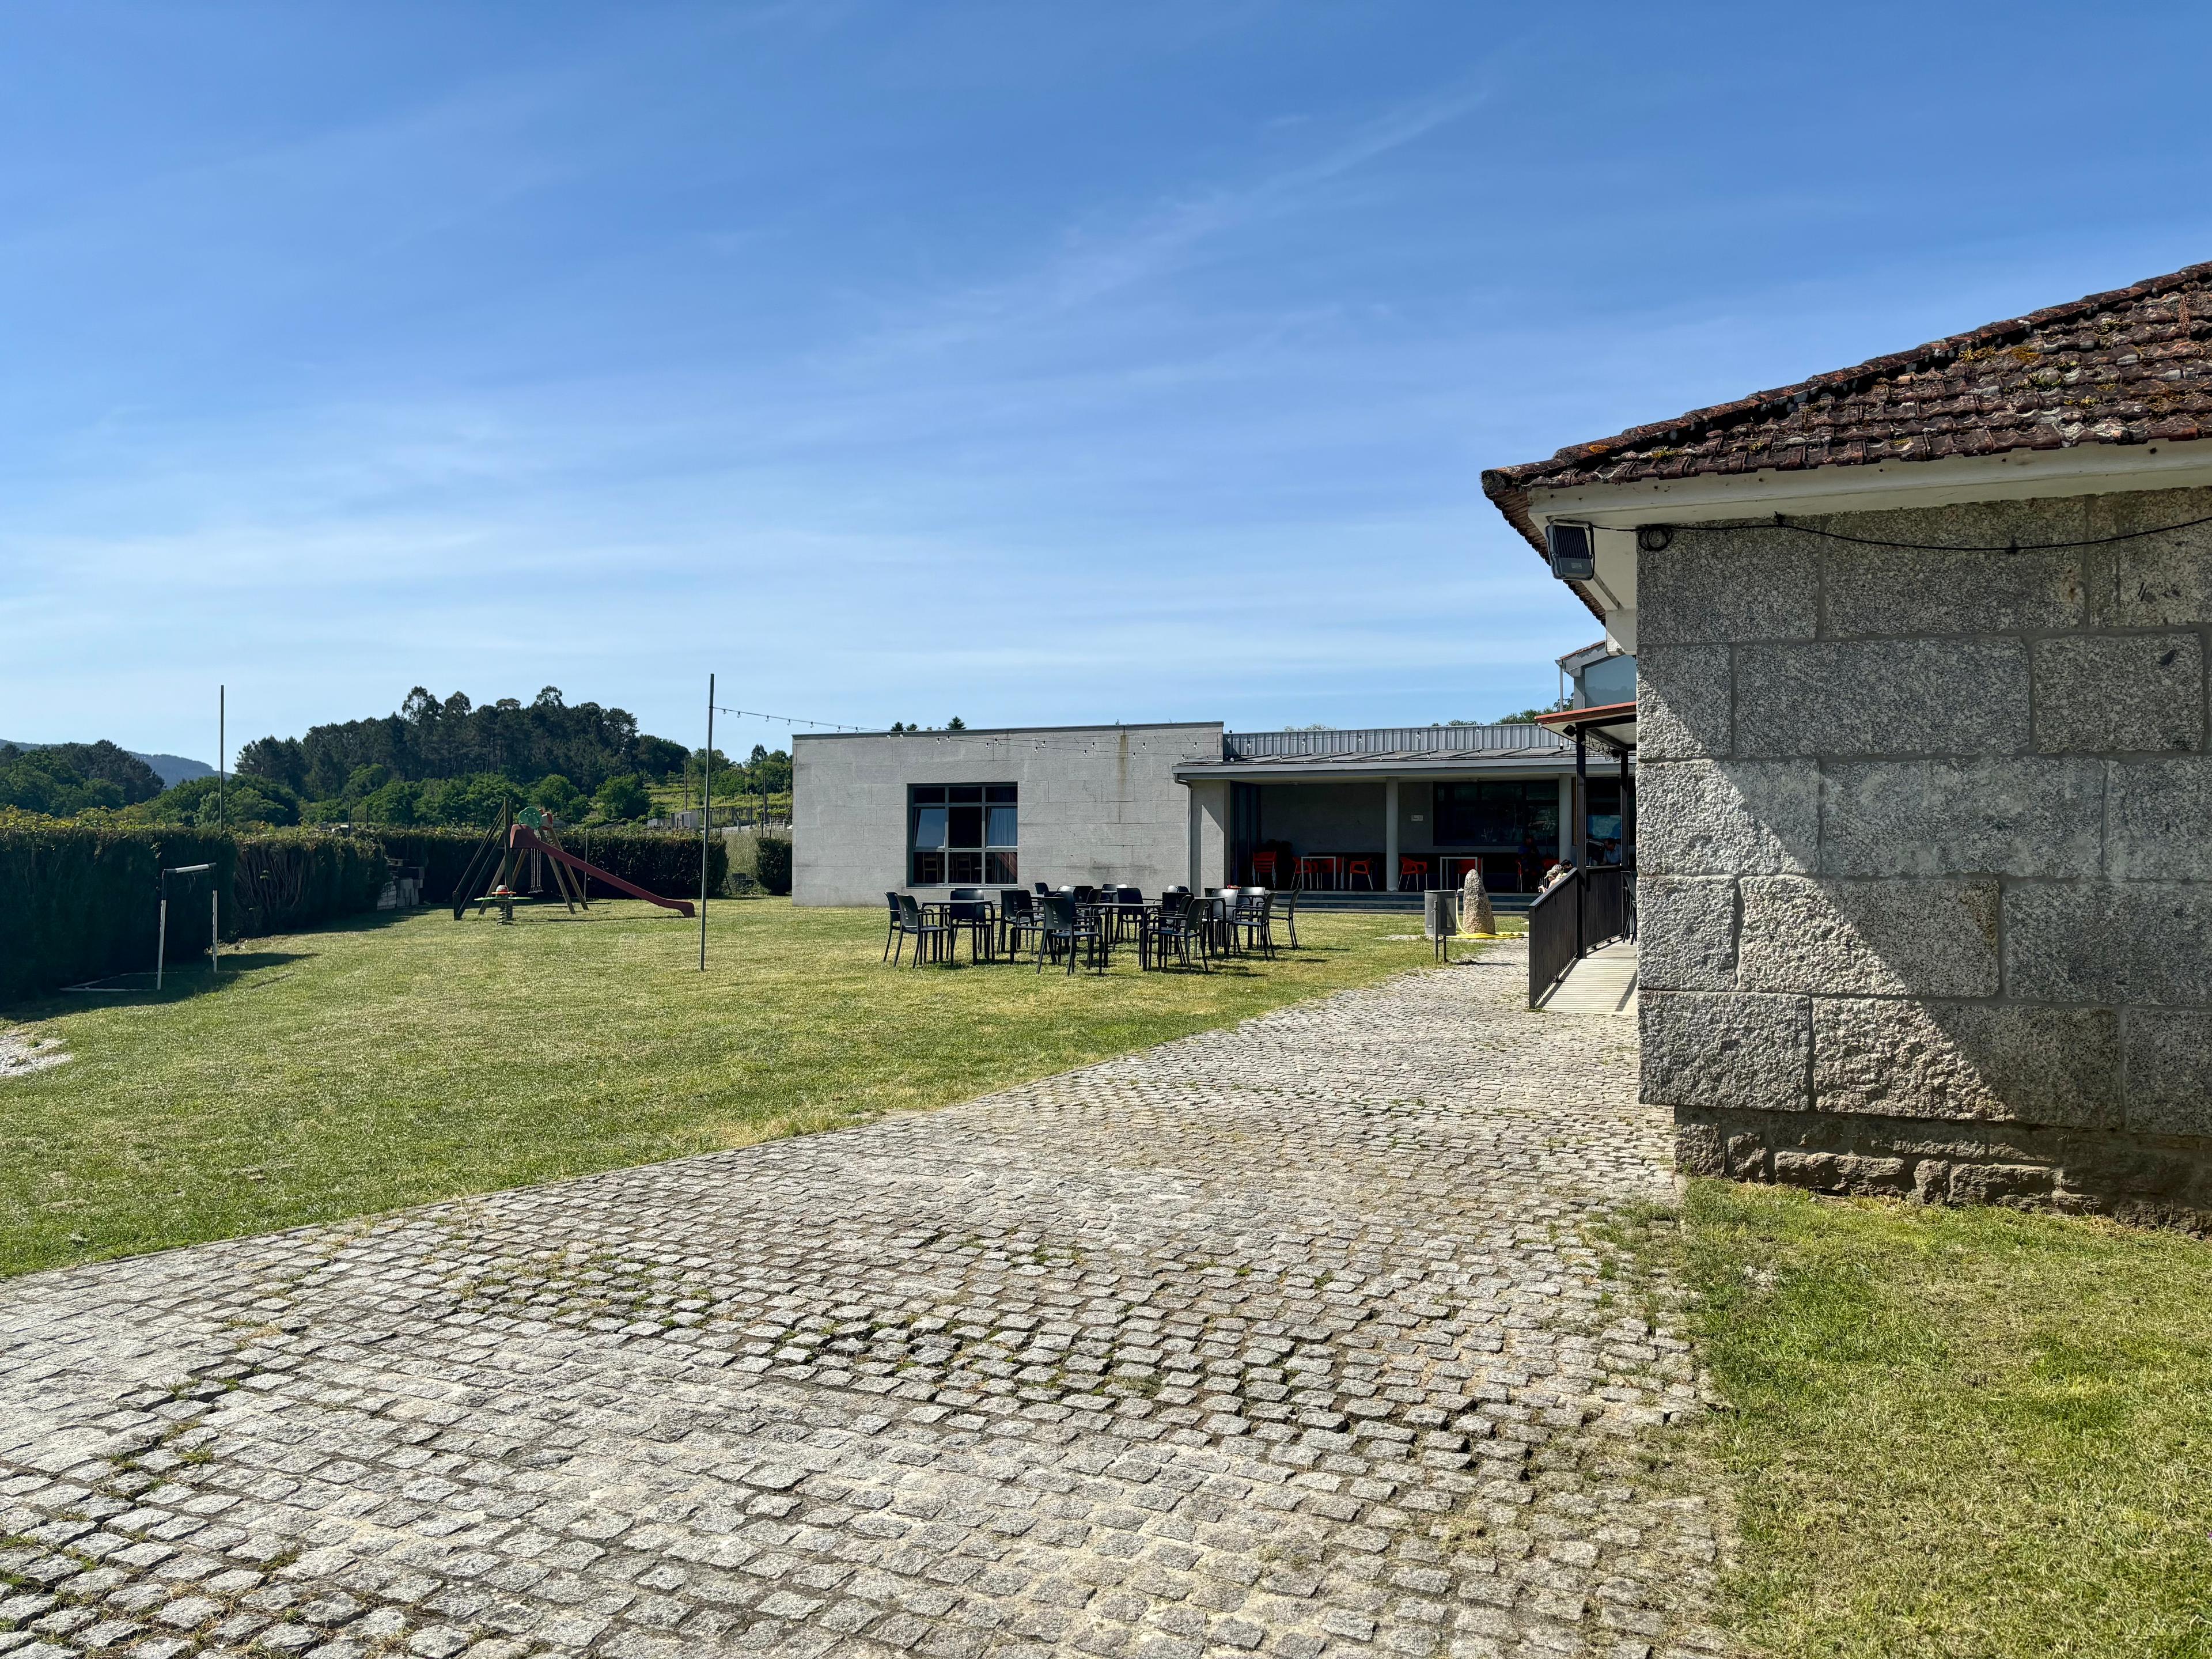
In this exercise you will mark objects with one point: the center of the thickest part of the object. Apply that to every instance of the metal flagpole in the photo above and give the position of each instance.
(215, 926)
(706, 820)
(221, 760)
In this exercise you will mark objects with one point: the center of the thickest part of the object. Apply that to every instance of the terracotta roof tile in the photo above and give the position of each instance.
(2129, 366)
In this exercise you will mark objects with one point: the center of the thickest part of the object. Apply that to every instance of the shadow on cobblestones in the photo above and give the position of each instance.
(1292, 1338)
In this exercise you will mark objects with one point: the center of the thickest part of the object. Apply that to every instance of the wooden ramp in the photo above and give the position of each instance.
(1602, 982)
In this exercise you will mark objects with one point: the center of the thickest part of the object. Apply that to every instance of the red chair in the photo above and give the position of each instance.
(1316, 870)
(1263, 869)
(1416, 869)
(1355, 868)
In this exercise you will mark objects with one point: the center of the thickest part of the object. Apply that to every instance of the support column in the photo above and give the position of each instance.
(1191, 877)
(1582, 800)
(1389, 882)
(1567, 818)
(1627, 817)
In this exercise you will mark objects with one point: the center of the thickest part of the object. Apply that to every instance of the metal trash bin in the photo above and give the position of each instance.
(1440, 920)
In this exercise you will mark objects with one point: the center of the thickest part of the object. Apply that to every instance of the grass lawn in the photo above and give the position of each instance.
(400, 1059)
(1957, 1432)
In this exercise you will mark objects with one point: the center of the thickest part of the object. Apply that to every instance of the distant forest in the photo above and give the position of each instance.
(66, 778)
(431, 739)
(433, 763)
(456, 763)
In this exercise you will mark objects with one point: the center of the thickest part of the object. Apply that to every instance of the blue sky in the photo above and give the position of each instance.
(1034, 363)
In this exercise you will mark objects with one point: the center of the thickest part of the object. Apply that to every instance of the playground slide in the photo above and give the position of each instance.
(524, 839)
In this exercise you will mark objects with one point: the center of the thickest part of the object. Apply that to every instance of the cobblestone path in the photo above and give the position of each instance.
(1283, 1340)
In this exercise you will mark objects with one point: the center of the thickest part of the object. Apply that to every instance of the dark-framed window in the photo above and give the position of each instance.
(963, 835)
(1499, 814)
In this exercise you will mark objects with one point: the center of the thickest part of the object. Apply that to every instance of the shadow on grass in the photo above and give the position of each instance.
(181, 981)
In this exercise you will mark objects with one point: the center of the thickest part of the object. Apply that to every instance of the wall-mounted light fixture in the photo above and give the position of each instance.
(1568, 548)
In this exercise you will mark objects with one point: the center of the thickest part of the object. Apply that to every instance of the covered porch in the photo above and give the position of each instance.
(1396, 810)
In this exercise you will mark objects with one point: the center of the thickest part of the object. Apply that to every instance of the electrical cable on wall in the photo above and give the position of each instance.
(1655, 538)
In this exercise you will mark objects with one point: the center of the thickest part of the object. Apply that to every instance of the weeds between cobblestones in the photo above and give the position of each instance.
(1292, 1338)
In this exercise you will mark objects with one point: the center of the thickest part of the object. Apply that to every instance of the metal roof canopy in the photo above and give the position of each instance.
(1612, 723)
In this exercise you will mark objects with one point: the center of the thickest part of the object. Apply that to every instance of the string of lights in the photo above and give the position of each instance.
(787, 720)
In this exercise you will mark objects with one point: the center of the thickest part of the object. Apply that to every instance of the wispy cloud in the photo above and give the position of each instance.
(1106, 254)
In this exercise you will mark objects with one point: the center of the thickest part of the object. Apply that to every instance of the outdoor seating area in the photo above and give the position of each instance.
(1073, 927)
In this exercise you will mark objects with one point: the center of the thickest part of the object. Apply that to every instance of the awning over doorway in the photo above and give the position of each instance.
(1612, 723)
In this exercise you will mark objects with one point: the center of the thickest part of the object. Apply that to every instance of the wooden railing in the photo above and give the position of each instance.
(1583, 912)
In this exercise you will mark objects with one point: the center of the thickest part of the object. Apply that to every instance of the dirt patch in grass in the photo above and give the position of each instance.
(23, 1051)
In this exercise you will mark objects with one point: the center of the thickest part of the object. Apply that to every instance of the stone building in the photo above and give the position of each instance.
(1926, 885)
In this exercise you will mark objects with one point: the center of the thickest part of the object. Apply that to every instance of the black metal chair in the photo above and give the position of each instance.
(968, 909)
(1018, 917)
(1291, 911)
(891, 933)
(912, 925)
(1253, 914)
(1182, 923)
(1066, 928)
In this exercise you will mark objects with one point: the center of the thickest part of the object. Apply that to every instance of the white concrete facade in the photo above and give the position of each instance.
(1096, 803)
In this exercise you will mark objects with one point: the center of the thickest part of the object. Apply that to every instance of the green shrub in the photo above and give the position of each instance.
(79, 900)
(624, 797)
(774, 864)
(210, 803)
(558, 796)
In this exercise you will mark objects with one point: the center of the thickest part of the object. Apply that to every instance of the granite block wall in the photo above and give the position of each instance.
(1927, 880)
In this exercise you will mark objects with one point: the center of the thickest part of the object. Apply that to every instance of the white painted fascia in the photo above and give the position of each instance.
(1574, 661)
(2084, 470)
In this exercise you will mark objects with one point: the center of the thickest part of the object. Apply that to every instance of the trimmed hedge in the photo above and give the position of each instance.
(78, 902)
(774, 866)
(291, 879)
(442, 854)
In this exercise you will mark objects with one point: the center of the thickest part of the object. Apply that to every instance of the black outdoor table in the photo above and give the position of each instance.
(980, 917)
(1117, 917)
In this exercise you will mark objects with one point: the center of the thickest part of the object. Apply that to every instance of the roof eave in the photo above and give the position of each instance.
(1513, 501)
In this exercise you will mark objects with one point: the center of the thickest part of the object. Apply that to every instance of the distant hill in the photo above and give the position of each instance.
(171, 769)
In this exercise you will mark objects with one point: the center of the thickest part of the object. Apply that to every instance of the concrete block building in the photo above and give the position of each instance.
(1926, 888)
(1378, 809)
(876, 811)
